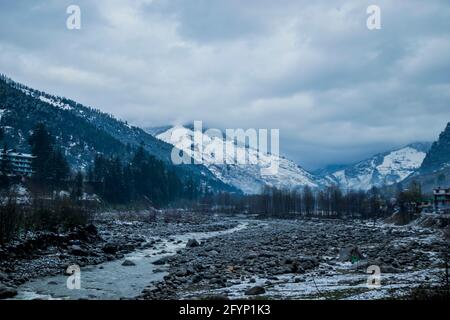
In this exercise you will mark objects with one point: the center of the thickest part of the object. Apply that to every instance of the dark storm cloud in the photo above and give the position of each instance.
(337, 91)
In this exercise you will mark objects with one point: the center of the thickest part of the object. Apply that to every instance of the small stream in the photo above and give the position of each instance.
(111, 280)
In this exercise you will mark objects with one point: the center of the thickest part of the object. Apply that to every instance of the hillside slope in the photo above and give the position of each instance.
(382, 169)
(82, 132)
(246, 177)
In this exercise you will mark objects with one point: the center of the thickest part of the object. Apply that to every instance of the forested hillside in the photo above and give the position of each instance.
(82, 132)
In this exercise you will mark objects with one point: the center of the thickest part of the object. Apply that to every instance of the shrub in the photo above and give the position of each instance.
(10, 220)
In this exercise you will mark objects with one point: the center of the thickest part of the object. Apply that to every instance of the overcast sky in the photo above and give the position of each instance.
(337, 91)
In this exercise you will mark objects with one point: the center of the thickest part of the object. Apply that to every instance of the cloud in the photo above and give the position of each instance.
(337, 91)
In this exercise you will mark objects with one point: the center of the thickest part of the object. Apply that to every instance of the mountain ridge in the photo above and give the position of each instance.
(246, 177)
(386, 168)
(81, 131)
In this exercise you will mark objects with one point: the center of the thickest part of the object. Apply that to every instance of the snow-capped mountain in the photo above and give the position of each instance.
(246, 177)
(382, 169)
(83, 132)
(438, 157)
(435, 169)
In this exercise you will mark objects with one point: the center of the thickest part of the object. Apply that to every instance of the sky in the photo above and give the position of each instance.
(337, 91)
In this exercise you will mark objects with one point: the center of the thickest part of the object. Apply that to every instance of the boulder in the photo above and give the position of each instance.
(7, 292)
(350, 254)
(161, 261)
(192, 243)
(3, 276)
(255, 291)
(77, 251)
(128, 263)
(110, 248)
(197, 278)
(216, 298)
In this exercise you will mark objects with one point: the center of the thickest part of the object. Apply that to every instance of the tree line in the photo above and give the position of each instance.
(328, 202)
(144, 178)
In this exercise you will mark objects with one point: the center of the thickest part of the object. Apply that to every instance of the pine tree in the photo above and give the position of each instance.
(59, 170)
(41, 143)
(49, 164)
(5, 168)
(77, 191)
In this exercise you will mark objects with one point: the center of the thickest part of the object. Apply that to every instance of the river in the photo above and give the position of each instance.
(111, 280)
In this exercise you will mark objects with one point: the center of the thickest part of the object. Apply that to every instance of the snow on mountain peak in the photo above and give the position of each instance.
(382, 169)
(247, 177)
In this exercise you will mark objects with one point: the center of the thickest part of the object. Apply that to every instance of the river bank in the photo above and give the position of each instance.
(110, 238)
(224, 257)
(300, 259)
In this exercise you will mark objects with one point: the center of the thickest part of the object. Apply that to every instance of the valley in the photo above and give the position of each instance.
(235, 257)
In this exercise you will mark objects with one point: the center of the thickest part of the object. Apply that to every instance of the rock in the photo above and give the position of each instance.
(197, 278)
(251, 256)
(161, 261)
(192, 243)
(77, 251)
(267, 254)
(3, 276)
(110, 248)
(216, 298)
(7, 292)
(182, 273)
(389, 269)
(350, 254)
(158, 270)
(128, 263)
(255, 291)
(91, 229)
(446, 232)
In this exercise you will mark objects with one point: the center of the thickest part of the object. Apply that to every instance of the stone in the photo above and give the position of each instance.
(3, 276)
(77, 251)
(216, 298)
(91, 229)
(197, 278)
(192, 243)
(255, 291)
(161, 261)
(128, 263)
(110, 248)
(7, 292)
(350, 254)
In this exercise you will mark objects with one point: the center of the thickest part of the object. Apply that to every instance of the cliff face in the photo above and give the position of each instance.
(438, 157)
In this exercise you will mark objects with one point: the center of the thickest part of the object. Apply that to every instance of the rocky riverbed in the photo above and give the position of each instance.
(110, 238)
(301, 259)
(221, 257)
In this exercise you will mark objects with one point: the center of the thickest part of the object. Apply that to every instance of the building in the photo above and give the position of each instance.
(441, 200)
(426, 206)
(18, 164)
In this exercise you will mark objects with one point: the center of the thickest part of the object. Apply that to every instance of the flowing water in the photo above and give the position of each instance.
(111, 280)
